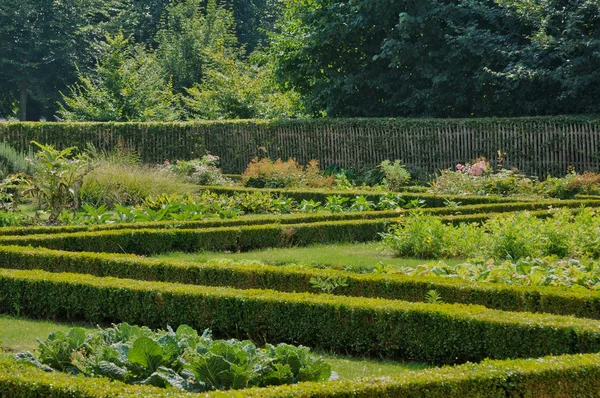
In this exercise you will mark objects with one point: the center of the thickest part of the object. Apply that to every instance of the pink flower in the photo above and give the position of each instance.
(478, 168)
(460, 167)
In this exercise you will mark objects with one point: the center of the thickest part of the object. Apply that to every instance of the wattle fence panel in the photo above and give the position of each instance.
(537, 146)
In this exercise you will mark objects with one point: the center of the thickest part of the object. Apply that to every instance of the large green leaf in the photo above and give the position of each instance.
(146, 353)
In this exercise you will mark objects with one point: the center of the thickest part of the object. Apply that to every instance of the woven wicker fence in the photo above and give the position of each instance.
(537, 146)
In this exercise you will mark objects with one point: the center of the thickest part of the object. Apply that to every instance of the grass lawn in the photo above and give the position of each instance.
(357, 256)
(19, 334)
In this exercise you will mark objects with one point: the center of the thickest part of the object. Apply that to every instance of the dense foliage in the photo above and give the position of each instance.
(263, 58)
(513, 236)
(441, 58)
(181, 359)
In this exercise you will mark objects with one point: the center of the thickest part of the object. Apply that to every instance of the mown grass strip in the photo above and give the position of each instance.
(560, 376)
(554, 300)
(437, 333)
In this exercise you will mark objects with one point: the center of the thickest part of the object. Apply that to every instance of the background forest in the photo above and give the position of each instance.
(167, 60)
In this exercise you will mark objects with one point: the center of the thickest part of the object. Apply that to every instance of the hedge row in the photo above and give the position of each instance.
(554, 300)
(424, 145)
(237, 238)
(152, 241)
(437, 333)
(430, 199)
(560, 376)
(301, 218)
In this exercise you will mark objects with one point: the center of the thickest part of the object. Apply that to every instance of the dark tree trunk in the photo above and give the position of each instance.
(23, 101)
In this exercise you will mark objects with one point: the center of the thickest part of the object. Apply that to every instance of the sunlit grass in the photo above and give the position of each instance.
(355, 256)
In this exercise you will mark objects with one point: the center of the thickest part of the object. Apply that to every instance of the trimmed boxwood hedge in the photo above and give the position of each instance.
(438, 333)
(554, 300)
(151, 241)
(560, 376)
(237, 238)
(300, 218)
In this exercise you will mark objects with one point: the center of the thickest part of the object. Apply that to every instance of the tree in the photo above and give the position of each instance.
(41, 41)
(128, 85)
(190, 36)
(441, 58)
(234, 88)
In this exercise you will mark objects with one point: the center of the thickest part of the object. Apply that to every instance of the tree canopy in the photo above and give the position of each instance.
(273, 58)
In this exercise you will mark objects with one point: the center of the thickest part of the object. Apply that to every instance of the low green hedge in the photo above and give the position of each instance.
(151, 241)
(236, 238)
(300, 218)
(554, 300)
(431, 199)
(438, 333)
(560, 376)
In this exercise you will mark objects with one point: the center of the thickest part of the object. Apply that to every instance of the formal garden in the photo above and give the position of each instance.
(122, 276)
(300, 198)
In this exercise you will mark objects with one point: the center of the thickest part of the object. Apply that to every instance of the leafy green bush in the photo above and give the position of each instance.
(203, 171)
(553, 376)
(13, 161)
(530, 285)
(396, 174)
(478, 178)
(58, 177)
(180, 359)
(513, 236)
(389, 328)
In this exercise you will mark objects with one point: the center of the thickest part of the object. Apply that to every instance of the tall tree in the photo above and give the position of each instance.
(442, 58)
(190, 35)
(127, 85)
(40, 43)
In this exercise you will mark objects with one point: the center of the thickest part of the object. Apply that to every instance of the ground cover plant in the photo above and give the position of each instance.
(182, 359)
(22, 334)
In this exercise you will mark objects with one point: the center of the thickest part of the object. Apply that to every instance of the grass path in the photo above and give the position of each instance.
(19, 334)
(357, 256)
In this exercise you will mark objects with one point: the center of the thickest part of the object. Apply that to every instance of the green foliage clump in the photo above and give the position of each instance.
(58, 177)
(513, 236)
(495, 58)
(13, 161)
(396, 174)
(203, 171)
(128, 86)
(479, 178)
(182, 359)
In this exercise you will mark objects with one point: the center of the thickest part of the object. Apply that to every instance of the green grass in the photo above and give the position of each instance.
(19, 334)
(357, 256)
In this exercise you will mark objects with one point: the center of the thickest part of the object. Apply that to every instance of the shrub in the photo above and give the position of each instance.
(265, 173)
(425, 236)
(128, 184)
(58, 177)
(396, 174)
(13, 161)
(203, 171)
(513, 236)
(389, 328)
(478, 178)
